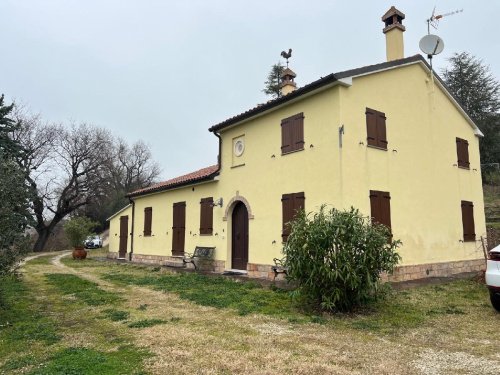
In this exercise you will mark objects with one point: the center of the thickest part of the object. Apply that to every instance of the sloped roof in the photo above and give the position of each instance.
(338, 77)
(204, 174)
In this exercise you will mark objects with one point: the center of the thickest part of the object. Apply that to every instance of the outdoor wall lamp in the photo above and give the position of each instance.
(218, 202)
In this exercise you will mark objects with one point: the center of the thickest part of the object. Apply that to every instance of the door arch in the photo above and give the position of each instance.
(239, 237)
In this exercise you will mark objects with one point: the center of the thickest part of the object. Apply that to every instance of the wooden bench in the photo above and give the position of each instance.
(201, 252)
(279, 267)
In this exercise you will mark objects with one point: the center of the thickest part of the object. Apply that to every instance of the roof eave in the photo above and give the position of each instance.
(118, 212)
(160, 189)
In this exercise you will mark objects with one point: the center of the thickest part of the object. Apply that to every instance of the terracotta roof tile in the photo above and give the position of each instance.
(197, 176)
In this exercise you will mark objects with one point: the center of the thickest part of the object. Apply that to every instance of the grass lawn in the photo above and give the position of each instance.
(92, 317)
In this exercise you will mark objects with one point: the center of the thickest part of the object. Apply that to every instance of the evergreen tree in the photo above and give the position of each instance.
(478, 91)
(14, 195)
(273, 81)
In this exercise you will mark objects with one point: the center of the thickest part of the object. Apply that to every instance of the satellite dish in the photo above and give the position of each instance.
(431, 45)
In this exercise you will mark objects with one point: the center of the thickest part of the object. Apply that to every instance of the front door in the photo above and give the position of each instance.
(122, 250)
(179, 228)
(239, 251)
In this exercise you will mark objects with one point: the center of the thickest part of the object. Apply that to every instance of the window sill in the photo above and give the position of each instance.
(206, 234)
(238, 165)
(462, 167)
(470, 240)
(377, 148)
(292, 152)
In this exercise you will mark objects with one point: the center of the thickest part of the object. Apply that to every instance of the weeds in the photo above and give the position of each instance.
(146, 323)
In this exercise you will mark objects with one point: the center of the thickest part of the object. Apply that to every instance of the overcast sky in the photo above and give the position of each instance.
(165, 71)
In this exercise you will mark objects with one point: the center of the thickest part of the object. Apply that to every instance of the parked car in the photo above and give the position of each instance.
(93, 242)
(493, 276)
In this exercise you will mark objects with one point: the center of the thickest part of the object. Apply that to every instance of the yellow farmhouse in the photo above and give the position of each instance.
(388, 139)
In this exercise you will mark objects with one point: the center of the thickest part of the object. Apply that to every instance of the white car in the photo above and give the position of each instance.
(93, 242)
(493, 276)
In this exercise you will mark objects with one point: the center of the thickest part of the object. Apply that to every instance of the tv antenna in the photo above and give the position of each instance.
(434, 19)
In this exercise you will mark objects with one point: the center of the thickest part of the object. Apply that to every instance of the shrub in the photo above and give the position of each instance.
(78, 229)
(336, 257)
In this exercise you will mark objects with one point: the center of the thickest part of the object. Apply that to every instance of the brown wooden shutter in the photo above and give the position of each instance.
(298, 132)
(380, 205)
(286, 135)
(206, 215)
(148, 218)
(371, 127)
(462, 153)
(291, 205)
(287, 210)
(292, 133)
(381, 131)
(468, 221)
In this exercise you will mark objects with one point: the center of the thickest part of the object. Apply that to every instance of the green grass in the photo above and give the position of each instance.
(42, 260)
(399, 310)
(116, 315)
(244, 297)
(20, 321)
(75, 361)
(84, 290)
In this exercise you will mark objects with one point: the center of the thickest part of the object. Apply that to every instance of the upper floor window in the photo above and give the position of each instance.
(206, 215)
(148, 218)
(463, 153)
(292, 133)
(375, 129)
(291, 204)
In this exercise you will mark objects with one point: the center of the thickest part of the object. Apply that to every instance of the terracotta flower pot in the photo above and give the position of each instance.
(79, 253)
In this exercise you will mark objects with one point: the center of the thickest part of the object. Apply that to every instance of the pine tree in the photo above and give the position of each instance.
(273, 81)
(478, 91)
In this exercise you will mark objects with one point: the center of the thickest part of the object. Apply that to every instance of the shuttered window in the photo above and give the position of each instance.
(291, 204)
(206, 215)
(148, 217)
(468, 221)
(375, 128)
(463, 153)
(292, 133)
(380, 204)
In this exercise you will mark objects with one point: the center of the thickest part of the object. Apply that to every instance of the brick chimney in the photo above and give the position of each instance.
(393, 31)
(288, 84)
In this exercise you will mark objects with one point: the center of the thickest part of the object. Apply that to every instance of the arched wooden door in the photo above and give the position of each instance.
(239, 242)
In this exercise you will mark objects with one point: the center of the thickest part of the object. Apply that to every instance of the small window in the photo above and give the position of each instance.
(468, 221)
(292, 133)
(380, 204)
(375, 129)
(206, 216)
(291, 204)
(148, 216)
(463, 153)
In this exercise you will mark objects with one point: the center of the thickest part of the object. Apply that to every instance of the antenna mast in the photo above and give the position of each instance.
(434, 19)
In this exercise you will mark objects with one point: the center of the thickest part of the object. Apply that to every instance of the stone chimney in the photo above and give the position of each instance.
(288, 84)
(393, 31)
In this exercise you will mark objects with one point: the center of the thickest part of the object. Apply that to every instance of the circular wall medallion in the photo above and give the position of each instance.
(239, 147)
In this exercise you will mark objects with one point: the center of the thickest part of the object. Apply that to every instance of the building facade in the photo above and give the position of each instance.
(388, 139)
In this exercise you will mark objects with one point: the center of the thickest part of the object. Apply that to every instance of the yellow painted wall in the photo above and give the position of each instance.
(114, 230)
(417, 169)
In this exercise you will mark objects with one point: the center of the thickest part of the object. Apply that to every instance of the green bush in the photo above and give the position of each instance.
(78, 229)
(336, 257)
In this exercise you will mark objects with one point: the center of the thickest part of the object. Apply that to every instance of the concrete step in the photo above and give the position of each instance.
(175, 263)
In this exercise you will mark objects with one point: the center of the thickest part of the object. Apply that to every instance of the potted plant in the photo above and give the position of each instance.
(77, 230)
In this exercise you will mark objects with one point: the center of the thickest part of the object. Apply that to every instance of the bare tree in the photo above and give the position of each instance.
(130, 168)
(65, 168)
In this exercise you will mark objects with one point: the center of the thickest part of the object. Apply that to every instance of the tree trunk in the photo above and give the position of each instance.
(41, 241)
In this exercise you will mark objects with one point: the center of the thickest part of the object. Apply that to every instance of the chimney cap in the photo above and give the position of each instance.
(288, 72)
(393, 19)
